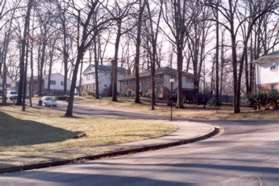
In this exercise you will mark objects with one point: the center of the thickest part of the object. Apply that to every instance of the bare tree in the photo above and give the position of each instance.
(63, 7)
(99, 50)
(4, 53)
(141, 4)
(197, 39)
(120, 14)
(178, 17)
(24, 41)
(217, 80)
(237, 22)
(86, 38)
(96, 46)
(152, 36)
(31, 79)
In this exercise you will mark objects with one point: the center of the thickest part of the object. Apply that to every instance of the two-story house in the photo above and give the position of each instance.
(9, 84)
(53, 87)
(104, 75)
(162, 83)
(267, 72)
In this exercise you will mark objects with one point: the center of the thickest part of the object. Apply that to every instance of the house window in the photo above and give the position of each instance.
(273, 86)
(62, 83)
(52, 82)
(273, 67)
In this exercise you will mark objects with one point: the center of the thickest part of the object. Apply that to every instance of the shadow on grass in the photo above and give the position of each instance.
(16, 132)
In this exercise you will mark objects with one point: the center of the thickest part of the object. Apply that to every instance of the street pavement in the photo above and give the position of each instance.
(244, 153)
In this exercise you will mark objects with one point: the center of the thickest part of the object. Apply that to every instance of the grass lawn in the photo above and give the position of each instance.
(40, 135)
(190, 112)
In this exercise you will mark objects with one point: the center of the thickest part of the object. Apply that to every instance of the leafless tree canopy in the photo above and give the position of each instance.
(215, 40)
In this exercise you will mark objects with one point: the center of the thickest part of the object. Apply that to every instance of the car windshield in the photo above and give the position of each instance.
(49, 99)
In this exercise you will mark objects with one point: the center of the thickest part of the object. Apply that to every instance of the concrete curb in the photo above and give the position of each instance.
(114, 153)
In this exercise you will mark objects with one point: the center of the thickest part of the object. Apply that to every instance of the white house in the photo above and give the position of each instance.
(267, 72)
(56, 85)
(56, 82)
(9, 84)
(104, 74)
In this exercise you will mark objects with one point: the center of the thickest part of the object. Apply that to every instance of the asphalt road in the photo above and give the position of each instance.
(245, 153)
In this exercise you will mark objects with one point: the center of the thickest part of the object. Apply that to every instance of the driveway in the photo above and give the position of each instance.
(245, 153)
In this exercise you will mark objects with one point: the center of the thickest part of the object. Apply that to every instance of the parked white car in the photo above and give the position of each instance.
(12, 95)
(48, 101)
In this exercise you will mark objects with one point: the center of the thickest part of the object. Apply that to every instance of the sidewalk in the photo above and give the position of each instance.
(187, 132)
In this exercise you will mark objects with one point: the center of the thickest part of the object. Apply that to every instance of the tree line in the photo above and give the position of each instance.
(209, 38)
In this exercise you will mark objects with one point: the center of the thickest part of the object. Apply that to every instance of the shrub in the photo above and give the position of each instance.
(272, 99)
(267, 100)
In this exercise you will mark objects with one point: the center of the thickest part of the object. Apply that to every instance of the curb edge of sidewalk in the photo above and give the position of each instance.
(113, 153)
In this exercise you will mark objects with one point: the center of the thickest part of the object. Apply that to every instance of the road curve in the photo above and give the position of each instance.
(245, 153)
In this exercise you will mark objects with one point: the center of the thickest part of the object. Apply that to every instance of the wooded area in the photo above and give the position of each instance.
(215, 40)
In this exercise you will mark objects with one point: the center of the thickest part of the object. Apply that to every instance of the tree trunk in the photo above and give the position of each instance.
(4, 83)
(252, 70)
(222, 65)
(31, 75)
(25, 75)
(138, 44)
(179, 103)
(96, 59)
(49, 74)
(65, 58)
(217, 95)
(153, 96)
(42, 62)
(65, 76)
(80, 79)
(21, 74)
(22, 55)
(115, 63)
(246, 68)
(4, 61)
(236, 88)
(69, 111)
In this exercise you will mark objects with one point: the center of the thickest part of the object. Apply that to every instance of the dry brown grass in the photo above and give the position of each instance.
(190, 112)
(40, 135)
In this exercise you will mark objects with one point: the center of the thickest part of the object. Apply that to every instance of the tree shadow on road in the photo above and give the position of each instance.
(72, 178)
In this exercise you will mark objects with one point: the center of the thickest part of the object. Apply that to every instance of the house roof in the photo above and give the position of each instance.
(107, 68)
(163, 70)
(46, 76)
(275, 53)
(269, 58)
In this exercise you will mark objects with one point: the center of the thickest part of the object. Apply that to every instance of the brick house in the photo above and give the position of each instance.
(267, 72)
(104, 72)
(162, 83)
